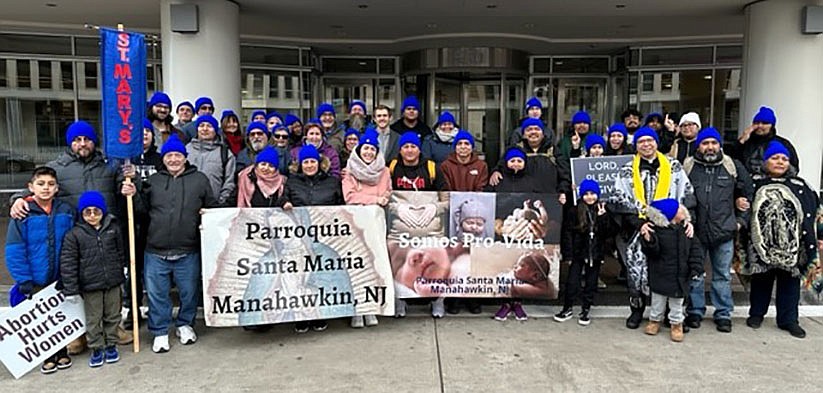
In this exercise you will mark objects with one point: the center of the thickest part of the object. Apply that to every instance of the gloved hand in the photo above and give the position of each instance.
(74, 299)
(696, 275)
(26, 288)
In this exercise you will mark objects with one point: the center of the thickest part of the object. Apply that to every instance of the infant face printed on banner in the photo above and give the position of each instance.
(471, 216)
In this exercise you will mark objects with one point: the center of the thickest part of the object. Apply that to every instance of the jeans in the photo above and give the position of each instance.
(721, 292)
(787, 299)
(159, 273)
(658, 308)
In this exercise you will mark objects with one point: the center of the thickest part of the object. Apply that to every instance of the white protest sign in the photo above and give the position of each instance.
(37, 328)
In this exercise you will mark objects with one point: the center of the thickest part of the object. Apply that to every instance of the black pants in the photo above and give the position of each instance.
(573, 283)
(787, 299)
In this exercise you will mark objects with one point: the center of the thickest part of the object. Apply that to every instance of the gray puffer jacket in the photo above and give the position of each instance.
(76, 176)
(209, 159)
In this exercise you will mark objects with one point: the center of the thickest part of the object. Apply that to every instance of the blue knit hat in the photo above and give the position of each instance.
(325, 107)
(203, 101)
(206, 119)
(515, 151)
(531, 122)
(533, 102)
(159, 98)
(256, 125)
(269, 155)
(359, 103)
(307, 152)
(280, 127)
(445, 117)
(618, 127)
(776, 147)
(147, 124)
(409, 137)
(708, 133)
(173, 144)
(581, 117)
(594, 139)
(370, 137)
(91, 199)
(256, 113)
(765, 115)
(643, 132)
(273, 114)
(589, 185)
(410, 101)
(667, 206)
(184, 103)
(80, 128)
(351, 131)
(463, 135)
(226, 113)
(291, 119)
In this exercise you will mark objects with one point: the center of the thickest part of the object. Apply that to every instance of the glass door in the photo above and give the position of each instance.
(483, 116)
(448, 97)
(340, 92)
(575, 94)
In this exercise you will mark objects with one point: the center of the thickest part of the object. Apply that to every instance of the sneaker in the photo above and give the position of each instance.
(301, 327)
(438, 308)
(112, 355)
(97, 358)
(723, 325)
(474, 307)
(503, 312)
(319, 326)
(161, 344)
(754, 322)
(519, 313)
(693, 321)
(564, 315)
(584, 319)
(371, 320)
(186, 335)
(357, 322)
(601, 284)
(399, 308)
(795, 330)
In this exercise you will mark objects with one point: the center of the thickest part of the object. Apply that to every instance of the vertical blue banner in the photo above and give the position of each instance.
(123, 65)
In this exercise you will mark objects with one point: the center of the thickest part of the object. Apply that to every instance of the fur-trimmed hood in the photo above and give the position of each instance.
(657, 218)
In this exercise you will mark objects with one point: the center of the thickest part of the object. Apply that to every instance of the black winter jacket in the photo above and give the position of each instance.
(554, 173)
(716, 191)
(420, 128)
(586, 244)
(318, 190)
(672, 258)
(751, 152)
(173, 205)
(518, 182)
(91, 259)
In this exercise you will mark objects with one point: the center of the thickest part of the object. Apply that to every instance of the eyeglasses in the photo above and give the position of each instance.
(281, 136)
(92, 211)
(257, 134)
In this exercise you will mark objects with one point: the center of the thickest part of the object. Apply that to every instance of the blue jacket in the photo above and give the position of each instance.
(33, 244)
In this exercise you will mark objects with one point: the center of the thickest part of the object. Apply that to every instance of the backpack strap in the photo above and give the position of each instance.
(392, 165)
(432, 170)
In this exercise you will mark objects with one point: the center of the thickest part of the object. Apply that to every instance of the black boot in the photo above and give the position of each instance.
(633, 321)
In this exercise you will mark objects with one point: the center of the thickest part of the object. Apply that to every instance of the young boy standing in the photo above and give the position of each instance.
(91, 265)
(33, 246)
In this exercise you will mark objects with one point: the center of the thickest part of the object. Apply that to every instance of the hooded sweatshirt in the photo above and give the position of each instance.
(471, 176)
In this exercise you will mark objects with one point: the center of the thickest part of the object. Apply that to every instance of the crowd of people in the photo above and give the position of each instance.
(683, 204)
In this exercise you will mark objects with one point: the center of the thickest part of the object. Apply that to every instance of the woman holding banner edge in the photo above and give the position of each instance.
(366, 181)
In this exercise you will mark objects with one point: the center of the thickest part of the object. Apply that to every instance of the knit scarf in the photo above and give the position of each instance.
(268, 184)
(663, 181)
(446, 136)
(366, 173)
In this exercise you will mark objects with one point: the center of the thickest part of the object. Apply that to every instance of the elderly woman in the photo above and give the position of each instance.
(781, 243)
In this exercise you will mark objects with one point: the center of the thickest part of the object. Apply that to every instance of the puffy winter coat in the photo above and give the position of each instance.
(716, 190)
(436, 148)
(673, 259)
(208, 157)
(421, 129)
(33, 244)
(356, 192)
(76, 176)
(751, 152)
(318, 190)
(173, 205)
(91, 259)
(326, 150)
(518, 182)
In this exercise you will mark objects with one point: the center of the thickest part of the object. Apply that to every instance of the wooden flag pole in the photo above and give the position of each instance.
(135, 329)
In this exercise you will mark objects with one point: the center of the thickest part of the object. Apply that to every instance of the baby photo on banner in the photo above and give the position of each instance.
(465, 244)
(264, 266)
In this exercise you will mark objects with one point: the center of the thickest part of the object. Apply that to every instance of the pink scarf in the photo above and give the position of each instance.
(269, 185)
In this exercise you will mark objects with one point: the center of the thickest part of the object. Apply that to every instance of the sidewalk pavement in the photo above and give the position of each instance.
(456, 354)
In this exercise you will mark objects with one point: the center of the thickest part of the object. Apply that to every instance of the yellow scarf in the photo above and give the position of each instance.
(664, 181)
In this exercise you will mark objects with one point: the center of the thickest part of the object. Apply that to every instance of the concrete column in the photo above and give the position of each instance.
(783, 69)
(206, 63)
